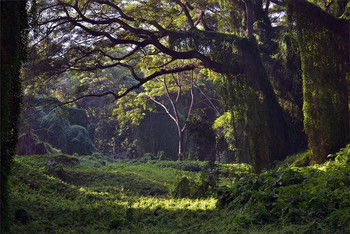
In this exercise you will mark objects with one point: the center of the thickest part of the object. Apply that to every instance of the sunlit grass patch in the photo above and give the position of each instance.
(66, 197)
(174, 203)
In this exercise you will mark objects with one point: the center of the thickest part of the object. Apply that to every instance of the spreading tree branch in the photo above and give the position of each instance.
(142, 81)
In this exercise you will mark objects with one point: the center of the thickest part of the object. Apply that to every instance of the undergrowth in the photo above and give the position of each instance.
(316, 197)
(94, 194)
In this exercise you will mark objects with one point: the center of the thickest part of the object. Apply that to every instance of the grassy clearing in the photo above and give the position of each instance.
(60, 194)
(83, 197)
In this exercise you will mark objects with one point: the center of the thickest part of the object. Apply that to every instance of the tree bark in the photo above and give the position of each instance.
(13, 47)
(180, 152)
(268, 126)
(324, 48)
(249, 10)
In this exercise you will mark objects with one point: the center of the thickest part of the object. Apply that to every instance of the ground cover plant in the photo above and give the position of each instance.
(94, 194)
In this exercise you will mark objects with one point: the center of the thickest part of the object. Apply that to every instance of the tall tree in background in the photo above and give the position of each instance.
(13, 53)
(168, 86)
(179, 95)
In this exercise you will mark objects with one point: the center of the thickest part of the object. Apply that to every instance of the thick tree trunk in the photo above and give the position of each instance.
(13, 21)
(270, 134)
(324, 47)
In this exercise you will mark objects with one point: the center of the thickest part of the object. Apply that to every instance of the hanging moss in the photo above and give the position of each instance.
(325, 66)
(262, 132)
(268, 134)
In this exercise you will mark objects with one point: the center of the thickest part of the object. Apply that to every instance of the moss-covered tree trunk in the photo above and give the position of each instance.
(13, 21)
(324, 46)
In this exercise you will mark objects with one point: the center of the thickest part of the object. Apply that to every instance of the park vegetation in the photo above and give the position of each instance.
(175, 116)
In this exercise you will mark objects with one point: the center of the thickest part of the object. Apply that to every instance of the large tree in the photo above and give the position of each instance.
(79, 35)
(13, 51)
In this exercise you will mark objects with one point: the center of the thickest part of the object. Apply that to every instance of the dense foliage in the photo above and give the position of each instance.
(66, 129)
(316, 196)
(159, 70)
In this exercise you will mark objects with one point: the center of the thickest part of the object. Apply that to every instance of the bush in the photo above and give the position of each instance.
(50, 149)
(79, 141)
(183, 187)
(206, 184)
(203, 186)
(161, 155)
(147, 157)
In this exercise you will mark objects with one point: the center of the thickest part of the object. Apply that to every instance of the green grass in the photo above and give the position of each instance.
(98, 195)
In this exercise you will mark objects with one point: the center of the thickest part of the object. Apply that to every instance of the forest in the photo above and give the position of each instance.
(174, 116)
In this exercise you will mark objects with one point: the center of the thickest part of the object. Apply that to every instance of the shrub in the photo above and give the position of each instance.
(161, 155)
(50, 149)
(147, 157)
(203, 186)
(183, 187)
(79, 141)
(206, 183)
